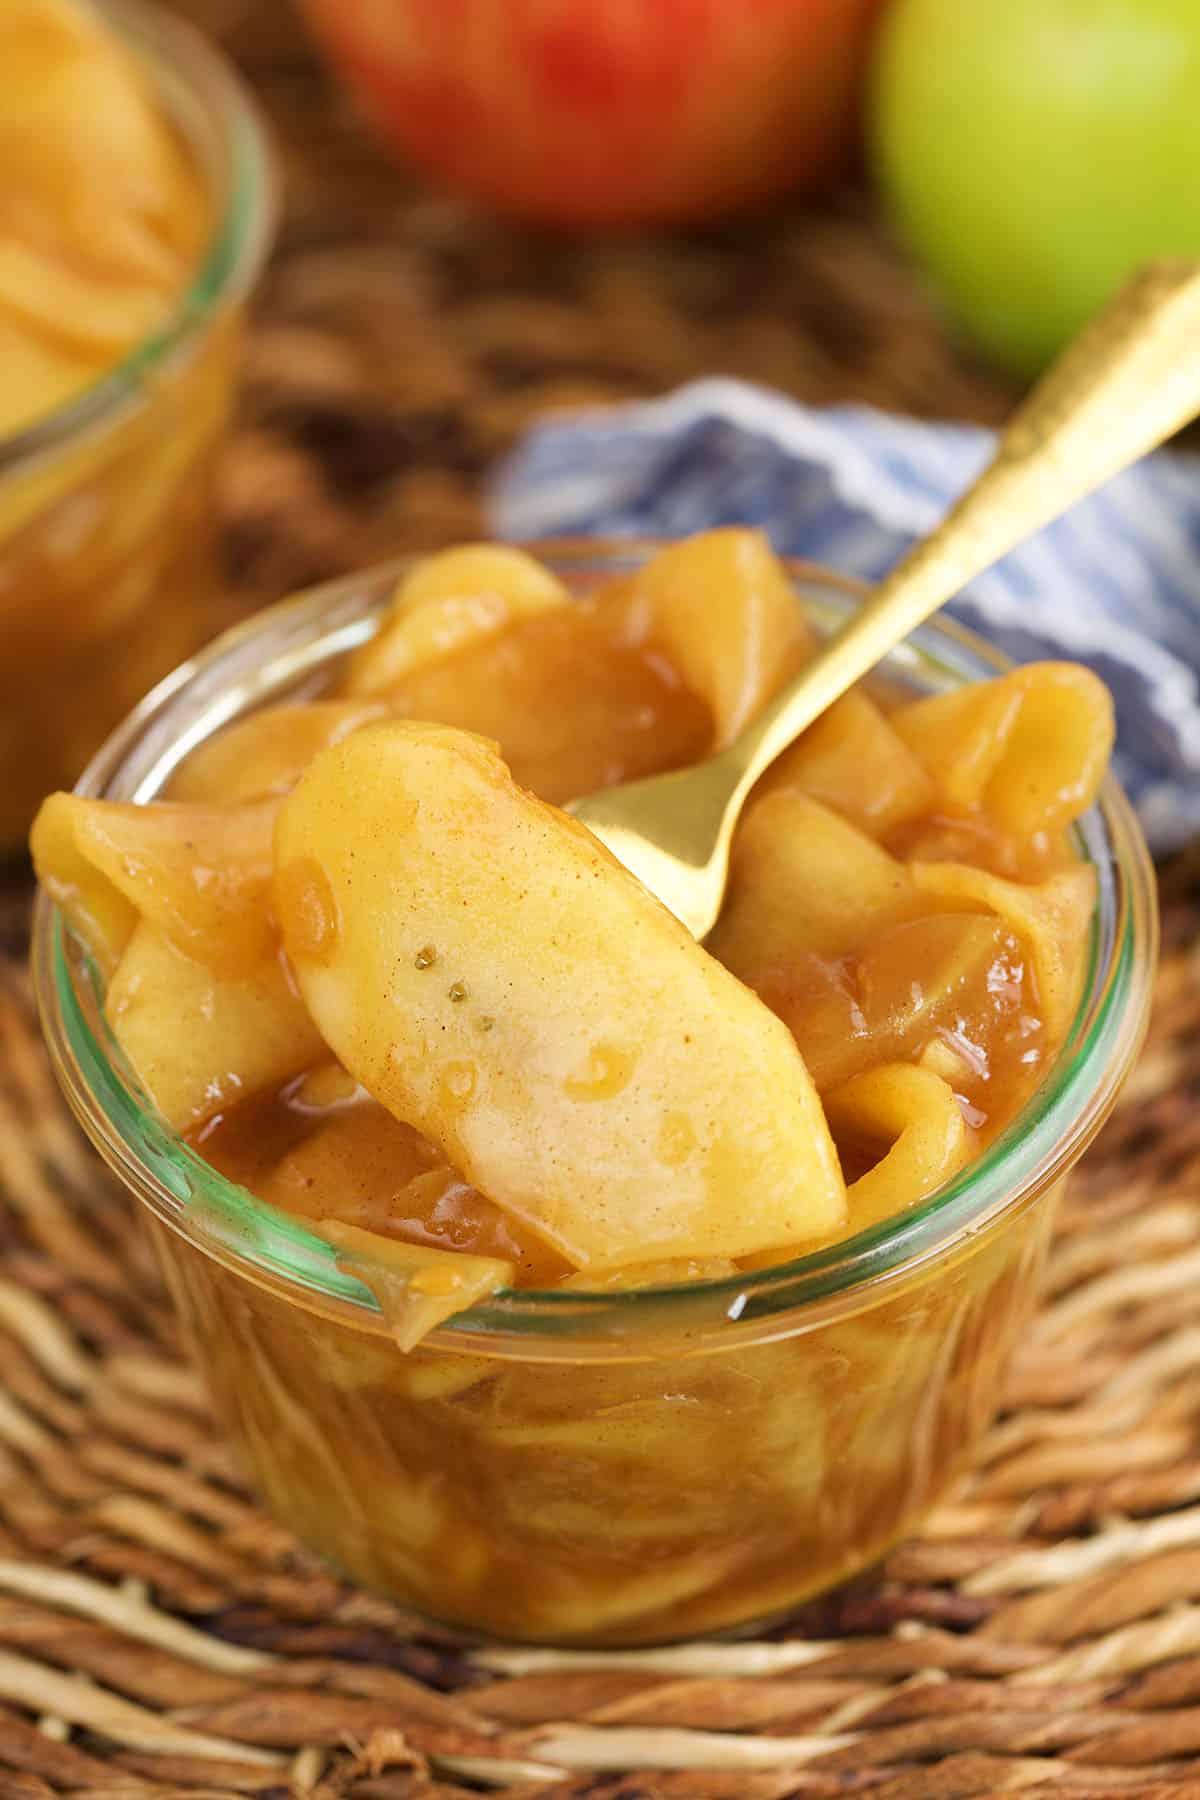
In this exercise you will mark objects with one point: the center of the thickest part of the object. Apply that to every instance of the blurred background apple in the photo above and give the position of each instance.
(607, 111)
(1033, 152)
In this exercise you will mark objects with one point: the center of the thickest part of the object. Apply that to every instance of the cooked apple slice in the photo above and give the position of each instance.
(266, 753)
(1050, 916)
(571, 694)
(1030, 748)
(1057, 751)
(242, 1034)
(803, 879)
(852, 760)
(911, 1115)
(199, 873)
(488, 971)
(447, 602)
(723, 608)
(417, 1288)
(960, 736)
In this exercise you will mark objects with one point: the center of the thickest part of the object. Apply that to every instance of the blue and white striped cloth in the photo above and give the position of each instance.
(1115, 584)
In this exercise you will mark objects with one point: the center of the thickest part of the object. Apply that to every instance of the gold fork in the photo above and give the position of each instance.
(1129, 380)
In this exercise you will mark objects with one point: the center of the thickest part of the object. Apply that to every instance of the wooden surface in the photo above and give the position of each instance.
(158, 1634)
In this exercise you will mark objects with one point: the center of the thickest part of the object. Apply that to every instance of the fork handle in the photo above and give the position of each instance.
(1130, 380)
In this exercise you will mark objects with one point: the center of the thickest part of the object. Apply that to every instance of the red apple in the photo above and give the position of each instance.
(607, 111)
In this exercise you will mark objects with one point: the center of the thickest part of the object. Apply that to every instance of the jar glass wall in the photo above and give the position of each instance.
(611, 1468)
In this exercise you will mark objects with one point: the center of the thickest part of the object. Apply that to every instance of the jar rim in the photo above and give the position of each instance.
(275, 1250)
(205, 97)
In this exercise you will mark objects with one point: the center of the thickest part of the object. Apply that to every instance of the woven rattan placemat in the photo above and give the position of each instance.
(158, 1634)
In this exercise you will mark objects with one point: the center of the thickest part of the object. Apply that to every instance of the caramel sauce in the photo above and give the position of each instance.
(340, 1155)
(574, 698)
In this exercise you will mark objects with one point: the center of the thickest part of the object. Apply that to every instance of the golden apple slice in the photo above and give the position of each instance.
(1030, 748)
(1051, 917)
(572, 696)
(267, 753)
(200, 873)
(913, 1116)
(447, 602)
(417, 1288)
(803, 879)
(724, 610)
(485, 969)
(199, 1042)
(358, 1164)
(854, 761)
(104, 916)
(1057, 750)
(959, 737)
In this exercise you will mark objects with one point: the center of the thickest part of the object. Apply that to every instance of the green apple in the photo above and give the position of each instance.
(1033, 152)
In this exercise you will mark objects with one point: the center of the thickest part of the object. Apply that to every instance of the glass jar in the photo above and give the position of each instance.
(617, 1468)
(108, 574)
